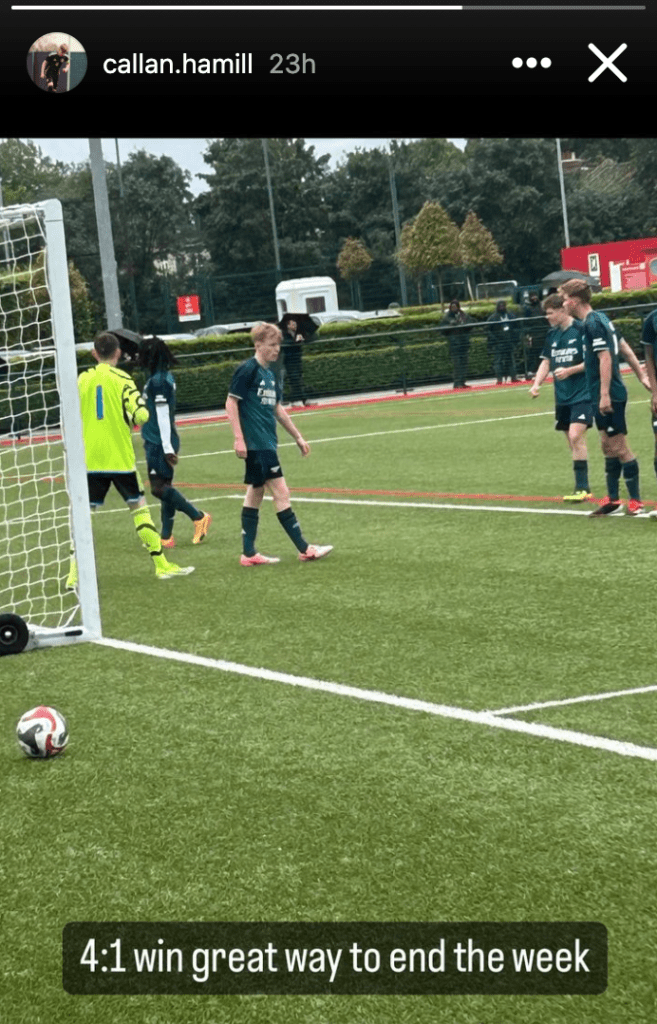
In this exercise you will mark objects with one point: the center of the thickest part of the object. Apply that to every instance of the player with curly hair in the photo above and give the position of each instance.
(162, 442)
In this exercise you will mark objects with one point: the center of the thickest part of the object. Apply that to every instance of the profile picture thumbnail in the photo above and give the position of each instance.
(56, 62)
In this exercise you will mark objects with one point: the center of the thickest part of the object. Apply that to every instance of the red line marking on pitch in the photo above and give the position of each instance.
(371, 492)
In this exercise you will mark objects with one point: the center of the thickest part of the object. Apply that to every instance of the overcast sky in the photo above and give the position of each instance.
(187, 153)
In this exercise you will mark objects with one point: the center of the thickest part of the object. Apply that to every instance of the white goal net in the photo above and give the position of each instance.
(44, 508)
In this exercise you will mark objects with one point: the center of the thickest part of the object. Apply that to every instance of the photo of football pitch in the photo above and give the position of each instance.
(452, 718)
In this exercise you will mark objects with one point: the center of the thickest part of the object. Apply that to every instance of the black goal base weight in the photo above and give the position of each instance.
(14, 634)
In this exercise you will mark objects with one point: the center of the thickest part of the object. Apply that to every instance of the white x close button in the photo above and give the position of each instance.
(608, 62)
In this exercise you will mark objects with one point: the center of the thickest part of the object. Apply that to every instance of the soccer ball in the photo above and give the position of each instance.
(42, 732)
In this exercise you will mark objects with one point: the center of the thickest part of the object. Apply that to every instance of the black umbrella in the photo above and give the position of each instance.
(129, 342)
(306, 326)
(558, 277)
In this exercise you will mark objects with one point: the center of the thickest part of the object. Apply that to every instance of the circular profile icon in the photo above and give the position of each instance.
(56, 62)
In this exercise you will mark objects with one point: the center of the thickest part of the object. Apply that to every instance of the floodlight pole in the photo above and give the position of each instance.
(265, 151)
(563, 195)
(105, 240)
(395, 217)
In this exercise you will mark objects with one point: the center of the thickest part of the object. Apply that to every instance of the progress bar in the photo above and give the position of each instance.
(326, 7)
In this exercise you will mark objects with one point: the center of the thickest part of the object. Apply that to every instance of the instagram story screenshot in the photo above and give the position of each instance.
(369, 64)
(328, 484)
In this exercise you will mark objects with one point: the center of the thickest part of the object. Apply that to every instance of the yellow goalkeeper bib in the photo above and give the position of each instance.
(110, 405)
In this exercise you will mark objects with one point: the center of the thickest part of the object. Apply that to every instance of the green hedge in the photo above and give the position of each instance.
(26, 405)
(25, 307)
(350, 358)
(342, 372)
(630, 328)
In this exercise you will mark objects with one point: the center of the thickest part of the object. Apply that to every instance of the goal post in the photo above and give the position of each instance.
(44, 499)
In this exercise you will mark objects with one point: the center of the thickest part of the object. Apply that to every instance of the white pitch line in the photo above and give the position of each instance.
(388, 433)
(298, 499)
(486, 718)
(189, 421)
(574, 700)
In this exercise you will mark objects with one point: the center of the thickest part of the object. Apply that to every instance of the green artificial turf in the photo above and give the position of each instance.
(191, 793)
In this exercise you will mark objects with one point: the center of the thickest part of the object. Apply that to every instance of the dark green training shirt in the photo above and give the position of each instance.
(258, 392)
(600, 336)
(565, 348)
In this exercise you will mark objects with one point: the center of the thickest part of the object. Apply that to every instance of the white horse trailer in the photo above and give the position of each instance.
(307, 295)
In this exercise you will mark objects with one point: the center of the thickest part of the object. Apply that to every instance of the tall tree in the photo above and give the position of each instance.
(359, 195)
(27, 175)
(477, 246)
(605, 203)
(236, 224)
(411, 257)
(354, 260)
(513, 187)
(152, 220)
(644, 160)
(434, 242)
(235, 210)
(84, 315)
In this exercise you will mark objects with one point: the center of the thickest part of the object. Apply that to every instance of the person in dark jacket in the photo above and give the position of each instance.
(535, 331)
(502, 333)
(457, 326)
(292, 352)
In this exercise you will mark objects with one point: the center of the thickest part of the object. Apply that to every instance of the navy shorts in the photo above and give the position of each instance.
(261, 467)
(612, 423)
(156, 464)
(578, 412)
(127, 484)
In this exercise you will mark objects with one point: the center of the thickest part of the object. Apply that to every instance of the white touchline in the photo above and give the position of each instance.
(191, 420)
(486, 718)
(388, 433)
(574, 700)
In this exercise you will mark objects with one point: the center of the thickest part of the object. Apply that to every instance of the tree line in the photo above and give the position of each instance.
(441, 214)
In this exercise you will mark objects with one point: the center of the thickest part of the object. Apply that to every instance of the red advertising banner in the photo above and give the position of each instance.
(189, 307)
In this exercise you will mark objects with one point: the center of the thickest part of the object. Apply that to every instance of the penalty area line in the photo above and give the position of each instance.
(485, 718)
(575, 700)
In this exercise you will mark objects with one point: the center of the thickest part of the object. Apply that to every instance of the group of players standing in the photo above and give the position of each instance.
(583, 351)
(111, 405)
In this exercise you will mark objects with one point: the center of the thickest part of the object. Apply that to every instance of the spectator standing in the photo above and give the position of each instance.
(457, 326)
(292, 351)
(535, 333)
(502, 335)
